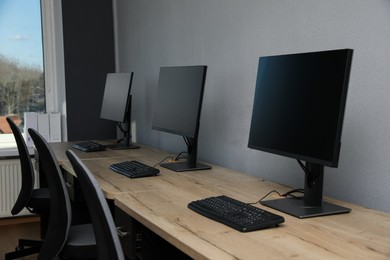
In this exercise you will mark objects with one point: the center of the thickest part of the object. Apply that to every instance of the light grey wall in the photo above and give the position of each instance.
(229, 36)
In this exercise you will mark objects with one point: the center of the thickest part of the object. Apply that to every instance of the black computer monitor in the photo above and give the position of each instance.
(178, 107)
(298, 112)
(116, 106)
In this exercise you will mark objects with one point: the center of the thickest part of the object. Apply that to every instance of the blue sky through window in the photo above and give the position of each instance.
(20, 31)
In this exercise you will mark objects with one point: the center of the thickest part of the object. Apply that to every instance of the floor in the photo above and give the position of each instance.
(11, 229)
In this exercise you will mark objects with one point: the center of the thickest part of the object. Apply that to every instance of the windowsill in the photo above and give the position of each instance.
(8, 147)
(5, 152)
(12, 152)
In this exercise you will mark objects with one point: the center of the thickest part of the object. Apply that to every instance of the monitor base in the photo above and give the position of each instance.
(121, 146)
(296, 208)
(183, 166)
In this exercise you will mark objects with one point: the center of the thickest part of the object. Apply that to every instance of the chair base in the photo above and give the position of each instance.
(24, 248)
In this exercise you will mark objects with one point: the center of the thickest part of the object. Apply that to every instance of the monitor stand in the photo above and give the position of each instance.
(311, 205)
(191, 164)
(127, 144)
(184, 166)
(297, 208)
(122, 146)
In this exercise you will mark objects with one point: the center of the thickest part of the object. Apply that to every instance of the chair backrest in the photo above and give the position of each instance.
(60, 208)
(109, 246)
(26, 168)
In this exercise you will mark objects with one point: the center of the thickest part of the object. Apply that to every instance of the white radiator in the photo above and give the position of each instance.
(10, 184)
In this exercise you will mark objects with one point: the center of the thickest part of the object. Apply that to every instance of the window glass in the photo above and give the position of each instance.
(21, 63)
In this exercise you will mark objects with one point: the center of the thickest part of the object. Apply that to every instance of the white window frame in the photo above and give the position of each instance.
(53, 68)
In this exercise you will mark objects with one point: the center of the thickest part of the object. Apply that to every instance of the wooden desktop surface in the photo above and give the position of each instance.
(113, 183)
(160, 203)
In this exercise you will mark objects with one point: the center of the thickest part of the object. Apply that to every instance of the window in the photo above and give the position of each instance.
(46, 16)
(22, 87)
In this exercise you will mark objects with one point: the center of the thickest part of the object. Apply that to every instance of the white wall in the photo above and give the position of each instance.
(229, 36)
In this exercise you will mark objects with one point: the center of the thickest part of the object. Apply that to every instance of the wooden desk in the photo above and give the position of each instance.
(361, 234)
(160, 204)
(113, 183)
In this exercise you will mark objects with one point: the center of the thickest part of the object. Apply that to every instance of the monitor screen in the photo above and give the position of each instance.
(299, 105)
(178, 107)
(116, 97)
(298, 112)
(179, 99)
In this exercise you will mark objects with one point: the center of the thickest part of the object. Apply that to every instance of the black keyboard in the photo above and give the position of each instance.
(134, 169)
(89, 146)
(236, 214)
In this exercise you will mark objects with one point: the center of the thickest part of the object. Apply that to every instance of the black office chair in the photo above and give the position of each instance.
(72, 242)
(102, 221)
(37, 201)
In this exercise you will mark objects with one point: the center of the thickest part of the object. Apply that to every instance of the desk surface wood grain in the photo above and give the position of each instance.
(360, 234)
(160, 203)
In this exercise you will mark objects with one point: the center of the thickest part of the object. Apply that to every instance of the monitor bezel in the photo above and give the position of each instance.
(337, 142)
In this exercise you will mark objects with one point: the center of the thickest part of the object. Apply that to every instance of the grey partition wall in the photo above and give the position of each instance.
(89, 55)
